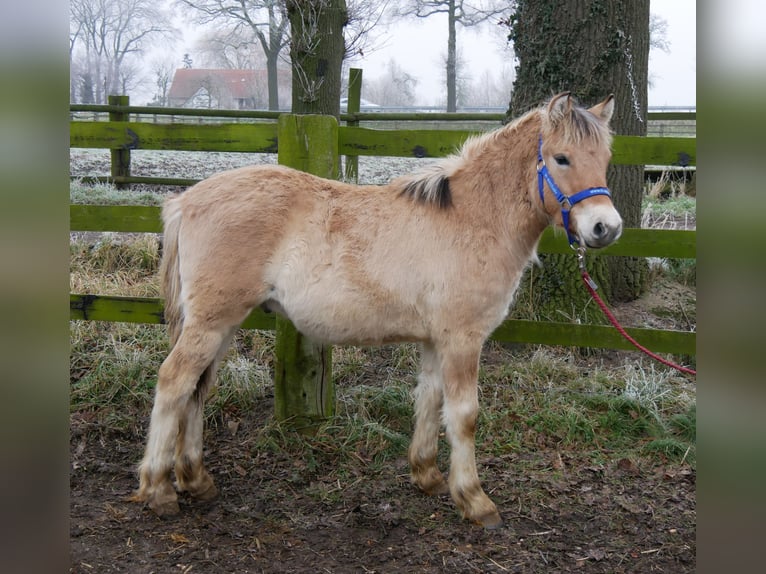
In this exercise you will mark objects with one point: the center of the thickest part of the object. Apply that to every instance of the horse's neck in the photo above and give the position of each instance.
(505, 185)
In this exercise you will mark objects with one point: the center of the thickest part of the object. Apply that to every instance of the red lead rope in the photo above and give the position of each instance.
(591, 286)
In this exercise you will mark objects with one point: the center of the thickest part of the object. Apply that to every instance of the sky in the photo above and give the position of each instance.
(418, 47)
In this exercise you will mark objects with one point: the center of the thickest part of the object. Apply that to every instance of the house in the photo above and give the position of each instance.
(219, 89)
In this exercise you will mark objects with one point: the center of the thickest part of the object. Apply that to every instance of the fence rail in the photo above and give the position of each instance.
(123, 137)
(149, 310)
(382, 114)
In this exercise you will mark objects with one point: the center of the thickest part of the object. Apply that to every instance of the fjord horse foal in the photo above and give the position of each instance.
(434, 257)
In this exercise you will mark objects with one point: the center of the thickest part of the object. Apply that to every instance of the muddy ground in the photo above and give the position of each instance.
(278, 513)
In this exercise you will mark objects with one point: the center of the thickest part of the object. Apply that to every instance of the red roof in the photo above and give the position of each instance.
(239, 83)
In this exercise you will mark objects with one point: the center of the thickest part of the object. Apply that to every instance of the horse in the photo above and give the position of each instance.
(433, 257)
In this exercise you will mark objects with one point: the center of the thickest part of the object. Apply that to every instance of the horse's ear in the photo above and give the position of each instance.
(559, 106)
(605, 109)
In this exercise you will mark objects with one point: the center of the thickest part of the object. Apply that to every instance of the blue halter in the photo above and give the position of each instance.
(567, 203)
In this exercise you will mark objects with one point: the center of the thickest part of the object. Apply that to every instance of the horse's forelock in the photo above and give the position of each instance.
(576, 126)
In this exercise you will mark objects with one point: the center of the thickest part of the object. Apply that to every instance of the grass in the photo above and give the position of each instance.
(115, 264)
(531, 397)
(107, 194)
(670, 202)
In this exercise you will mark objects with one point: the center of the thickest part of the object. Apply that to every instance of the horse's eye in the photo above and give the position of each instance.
(561, 159)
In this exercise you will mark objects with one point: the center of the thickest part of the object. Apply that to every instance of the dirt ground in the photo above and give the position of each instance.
(277, 513)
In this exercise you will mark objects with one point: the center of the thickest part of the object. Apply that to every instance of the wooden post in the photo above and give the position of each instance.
(354, 101)
(121, 156)
(304, 393)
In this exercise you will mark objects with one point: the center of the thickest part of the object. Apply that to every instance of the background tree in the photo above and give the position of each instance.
(458, 12)
(395, 87)
(264, 20)
(365, 19)
(162, 71)
(268, 22)
(229, 49)
(105, 35)
(462, 78)
(490, 89)
(317, 49)
(658, 38)
(591, 48)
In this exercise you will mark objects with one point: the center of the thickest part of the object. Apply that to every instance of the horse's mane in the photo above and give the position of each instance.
(431, 185)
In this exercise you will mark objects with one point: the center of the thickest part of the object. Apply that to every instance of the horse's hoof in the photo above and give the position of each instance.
(430, 482)
(436, 489)
(490, 521)
(165, 509)
(206, 495)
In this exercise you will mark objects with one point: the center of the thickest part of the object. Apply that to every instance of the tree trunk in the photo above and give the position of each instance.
(272, 47)
(272, 75)
(591, 48)
(451, 58)
(317, 48)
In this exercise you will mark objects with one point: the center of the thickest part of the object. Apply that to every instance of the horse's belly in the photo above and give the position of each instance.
(338, 317)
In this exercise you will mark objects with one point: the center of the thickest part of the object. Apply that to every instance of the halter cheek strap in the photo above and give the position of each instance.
(567, 202)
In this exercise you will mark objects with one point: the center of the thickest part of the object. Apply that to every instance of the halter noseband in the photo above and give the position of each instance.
(567, 203)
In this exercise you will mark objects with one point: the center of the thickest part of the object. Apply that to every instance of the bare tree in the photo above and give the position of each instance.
(266, 20)
(658, 39)
(364, 16)
(658, 33)
(458, 12)
(106, 34)
(317, 49)
(395, 87)
(490, 89)
(162, 71)
(230, 50)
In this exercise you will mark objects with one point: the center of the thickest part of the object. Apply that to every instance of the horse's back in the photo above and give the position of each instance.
(247, 189)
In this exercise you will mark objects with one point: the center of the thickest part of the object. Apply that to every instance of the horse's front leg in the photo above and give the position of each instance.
(429, 395)
(461, 407)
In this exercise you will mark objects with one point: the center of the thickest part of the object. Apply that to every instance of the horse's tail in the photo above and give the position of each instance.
(170, 278)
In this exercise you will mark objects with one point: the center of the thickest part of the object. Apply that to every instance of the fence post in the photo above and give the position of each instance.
(121, 156)
(304, 393)
(353, 105)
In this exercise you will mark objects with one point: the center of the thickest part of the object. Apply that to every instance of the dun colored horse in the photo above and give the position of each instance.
(434, 257)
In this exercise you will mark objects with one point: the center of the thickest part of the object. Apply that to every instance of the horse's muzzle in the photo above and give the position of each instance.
(602, 234)
(598, 225)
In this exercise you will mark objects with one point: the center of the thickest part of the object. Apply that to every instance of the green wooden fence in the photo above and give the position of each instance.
(122, 136)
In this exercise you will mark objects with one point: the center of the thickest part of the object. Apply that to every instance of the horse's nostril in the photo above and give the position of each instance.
(599, 230)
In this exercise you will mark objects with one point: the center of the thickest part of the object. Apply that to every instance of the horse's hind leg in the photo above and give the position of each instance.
(191, 475)
(179, 376)
(425, 439)
(461, 407)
